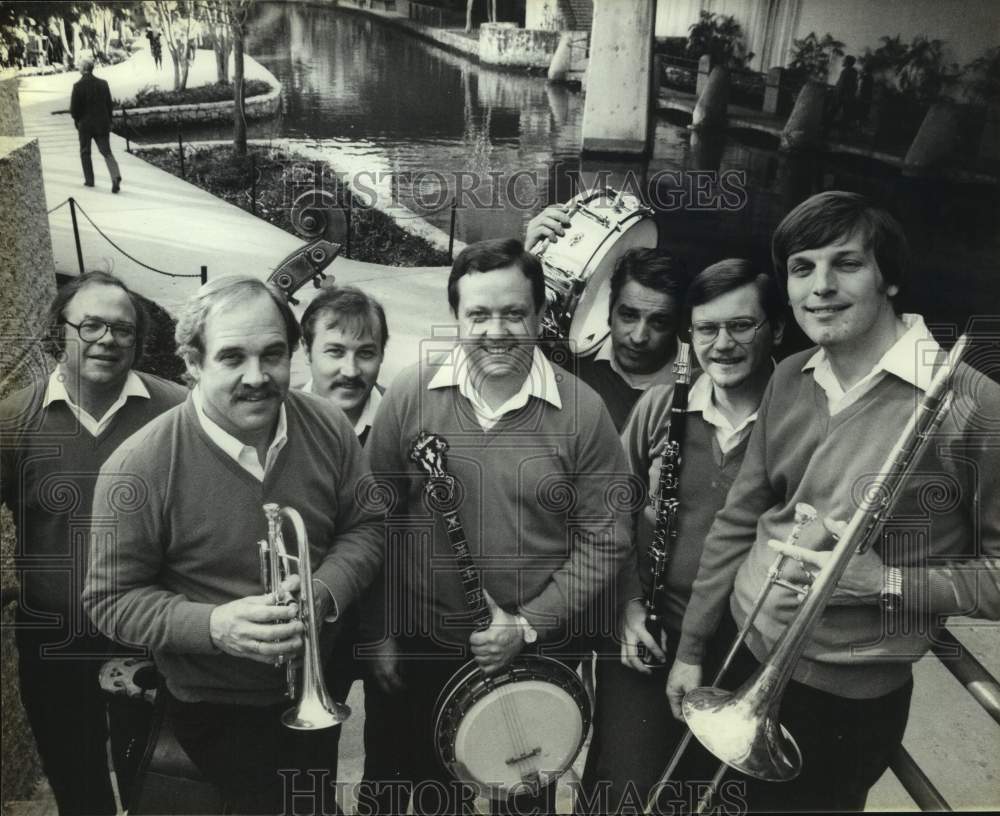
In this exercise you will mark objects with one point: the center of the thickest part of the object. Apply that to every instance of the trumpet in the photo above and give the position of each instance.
(315, 708)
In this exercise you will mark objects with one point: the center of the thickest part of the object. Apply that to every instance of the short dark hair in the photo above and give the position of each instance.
(727, 276)
(55, 338)
(228, 289)
(350, 305)
(829, 217)
(651, 268)
(497, 253)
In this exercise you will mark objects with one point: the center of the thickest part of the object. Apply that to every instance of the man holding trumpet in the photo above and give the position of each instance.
(825, 427)
(175, 563)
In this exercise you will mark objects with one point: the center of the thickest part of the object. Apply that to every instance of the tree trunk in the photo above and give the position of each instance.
(177, 69)
(468, 15)
(239, 115)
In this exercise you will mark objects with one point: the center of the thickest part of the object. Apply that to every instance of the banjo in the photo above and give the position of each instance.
(514, 732)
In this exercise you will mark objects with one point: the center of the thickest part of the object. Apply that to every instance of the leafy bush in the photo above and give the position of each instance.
(719, 36)
(811, 56)
(917, 70)
(984, 85)
(150, 97)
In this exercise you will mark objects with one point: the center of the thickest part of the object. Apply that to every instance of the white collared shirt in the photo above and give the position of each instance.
(912, 358)
(701, 400)
(56, 391)
(540, 383)
(641, 382)
(244, 455)
(367, 416)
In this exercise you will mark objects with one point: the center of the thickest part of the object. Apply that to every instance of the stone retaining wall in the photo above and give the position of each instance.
(257, 107)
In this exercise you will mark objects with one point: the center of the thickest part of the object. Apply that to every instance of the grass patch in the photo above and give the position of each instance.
(283, 175)
(150, 97)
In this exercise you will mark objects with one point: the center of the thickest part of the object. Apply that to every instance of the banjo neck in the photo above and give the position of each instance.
(472, 585)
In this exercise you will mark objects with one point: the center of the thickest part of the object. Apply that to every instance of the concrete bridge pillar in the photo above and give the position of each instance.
(616, 110)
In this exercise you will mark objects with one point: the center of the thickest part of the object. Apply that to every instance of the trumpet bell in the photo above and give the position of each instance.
(732, 727)
(316, 713)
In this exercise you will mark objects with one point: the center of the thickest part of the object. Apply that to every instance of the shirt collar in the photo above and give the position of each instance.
(56, 391)
(367, 417)
(641, 382)
(912, 357)
(540, 382)
(236, 449)
(700, 400)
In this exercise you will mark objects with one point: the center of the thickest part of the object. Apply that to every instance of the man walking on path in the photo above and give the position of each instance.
(91, 108)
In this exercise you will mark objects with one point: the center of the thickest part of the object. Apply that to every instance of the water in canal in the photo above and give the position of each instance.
(506, 144)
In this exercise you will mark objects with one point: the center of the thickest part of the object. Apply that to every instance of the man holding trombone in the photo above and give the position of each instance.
(178, 514)
(827, 424)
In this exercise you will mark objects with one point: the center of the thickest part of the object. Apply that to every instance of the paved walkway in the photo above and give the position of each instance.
(174, 226)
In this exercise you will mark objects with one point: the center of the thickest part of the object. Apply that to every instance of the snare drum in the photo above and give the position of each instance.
(603, 226)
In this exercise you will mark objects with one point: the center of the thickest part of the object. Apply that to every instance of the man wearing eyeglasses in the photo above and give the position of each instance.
(736, 320)
(54, 436)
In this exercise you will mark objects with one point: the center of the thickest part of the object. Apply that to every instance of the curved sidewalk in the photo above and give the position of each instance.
(174, 226)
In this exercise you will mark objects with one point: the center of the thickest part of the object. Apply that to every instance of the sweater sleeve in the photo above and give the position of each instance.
(606, 493)
(129, 538)
(356, 552)
(969, 586)
(729, 541)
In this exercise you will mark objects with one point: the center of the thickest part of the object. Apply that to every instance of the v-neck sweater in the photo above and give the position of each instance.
(176, 527)
(944, 530)
(50, 464)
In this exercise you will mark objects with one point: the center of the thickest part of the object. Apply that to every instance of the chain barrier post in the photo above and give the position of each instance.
(350, 218)
(128, 142)
(76, 233)
(204, 275)
(451, 231)
(180, 148)
(253, 183)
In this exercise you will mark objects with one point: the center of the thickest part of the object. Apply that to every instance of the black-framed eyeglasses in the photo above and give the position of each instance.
(742, 331)
(92, 329)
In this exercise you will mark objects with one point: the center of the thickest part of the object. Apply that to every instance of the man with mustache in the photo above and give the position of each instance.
(537, 462)
(344, 333)
(825, 426)
(55, 434)
(646, 290)
(178, 514)
(735, 319)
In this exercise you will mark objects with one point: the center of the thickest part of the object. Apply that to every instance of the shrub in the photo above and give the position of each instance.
(811, 56)
(984, 85)
(721, 37)
(150, 97)
(917, 70)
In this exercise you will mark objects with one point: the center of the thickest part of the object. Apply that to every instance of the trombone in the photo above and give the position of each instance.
(741, 728)
(315, 708)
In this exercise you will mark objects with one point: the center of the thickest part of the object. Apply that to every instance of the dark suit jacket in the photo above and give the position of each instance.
(91, 105)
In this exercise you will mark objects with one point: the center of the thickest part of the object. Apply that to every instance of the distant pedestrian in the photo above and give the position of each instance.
(844, 94)
(866, 85)
(91, 108)
(155, 47)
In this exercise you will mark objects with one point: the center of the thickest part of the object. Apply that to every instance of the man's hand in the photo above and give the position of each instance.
(550, 223)
(255, 628)
(385, 667)
(682, 678)
(632, 628)
(495, 647)
(861, 582)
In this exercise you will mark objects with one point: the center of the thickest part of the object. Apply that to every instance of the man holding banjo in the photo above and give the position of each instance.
(508, 502)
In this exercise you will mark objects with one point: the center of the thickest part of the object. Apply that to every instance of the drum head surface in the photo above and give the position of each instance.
(537, 728)
(590, 320)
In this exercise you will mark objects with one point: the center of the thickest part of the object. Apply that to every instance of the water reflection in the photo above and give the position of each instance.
(506, 144)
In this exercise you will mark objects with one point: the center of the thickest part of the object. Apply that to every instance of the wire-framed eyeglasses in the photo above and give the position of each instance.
(93, 329)
(742, 330)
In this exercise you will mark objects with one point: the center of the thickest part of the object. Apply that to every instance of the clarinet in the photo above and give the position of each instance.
(666, 502)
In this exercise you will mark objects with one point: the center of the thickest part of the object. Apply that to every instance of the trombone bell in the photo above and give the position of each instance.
(733, 727)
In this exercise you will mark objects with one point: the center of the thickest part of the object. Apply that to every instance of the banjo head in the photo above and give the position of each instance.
(509, 733)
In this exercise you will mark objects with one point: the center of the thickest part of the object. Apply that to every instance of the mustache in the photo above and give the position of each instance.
(348, 382)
